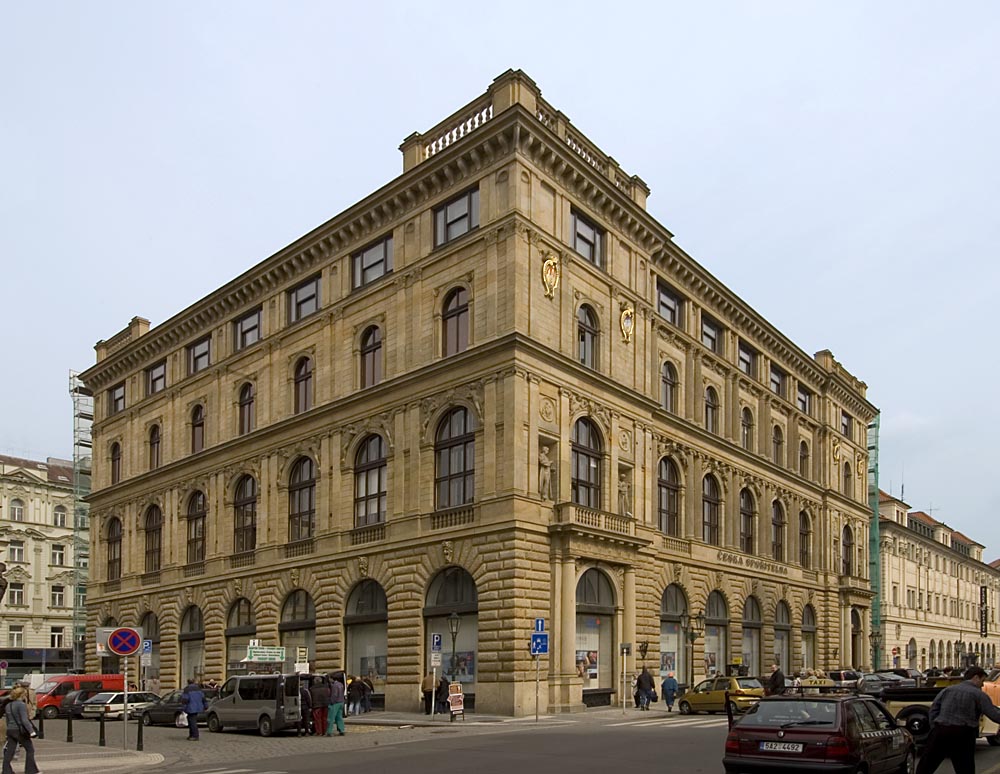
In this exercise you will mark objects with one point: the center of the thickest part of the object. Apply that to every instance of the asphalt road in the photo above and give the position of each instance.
(601, 742)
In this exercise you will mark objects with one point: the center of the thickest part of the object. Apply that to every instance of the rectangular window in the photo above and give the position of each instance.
(15, 594)
(81, 596)
(778, 381)
(371, 263)
(199, 355)
(116, 399)
(56, 637)
(711, 334)
(58, 596)
(457, 217)
(845, 423)
(588, 239)
(747, 360)
(303, 300)
(156, 378)
(15, 551)
(15, 637)
(82, 561)
(58, 555)
(670, 305)
(246, 330)
(805, 400)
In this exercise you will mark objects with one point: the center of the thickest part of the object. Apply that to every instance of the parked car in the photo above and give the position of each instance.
(874, 683)
(167, 708)
(50, 693)
(112, 705)
(268, 703)
(907, 674)
(710, 695)
(844, 678)
(72, 703)
(833, 732)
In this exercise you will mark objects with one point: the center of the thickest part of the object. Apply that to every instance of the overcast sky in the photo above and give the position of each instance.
(835, 164)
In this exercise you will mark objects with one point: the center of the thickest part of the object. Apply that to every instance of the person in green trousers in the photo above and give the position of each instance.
(336, 714)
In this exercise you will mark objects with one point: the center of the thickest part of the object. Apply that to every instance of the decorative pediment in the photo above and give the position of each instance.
(18, 574)
(469, 394)
(66, 577)
(579, 404)
(380, 424)
(16, 533)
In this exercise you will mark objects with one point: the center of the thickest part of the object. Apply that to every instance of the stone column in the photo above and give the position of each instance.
(567, 686)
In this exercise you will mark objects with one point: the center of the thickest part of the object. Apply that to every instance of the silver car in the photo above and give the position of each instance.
(112, 705)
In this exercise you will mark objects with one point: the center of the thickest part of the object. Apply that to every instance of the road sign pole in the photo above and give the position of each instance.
(536, 688)
(125, 713)
(434, 672)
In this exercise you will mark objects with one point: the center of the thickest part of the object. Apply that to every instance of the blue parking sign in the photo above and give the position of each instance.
(435, 643)
(147, 646)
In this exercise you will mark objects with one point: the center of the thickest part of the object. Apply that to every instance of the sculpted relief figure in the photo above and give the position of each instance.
(624, 496)
(545, 474)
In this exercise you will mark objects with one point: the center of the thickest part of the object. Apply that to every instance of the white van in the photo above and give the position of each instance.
(268, 703)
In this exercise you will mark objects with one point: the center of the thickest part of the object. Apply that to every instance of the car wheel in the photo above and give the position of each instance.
(909, 764)
(918, 724)
(993, 741)
(264, 726)
(50, 712)
(213, 723)
(684, 707)
(147, 719)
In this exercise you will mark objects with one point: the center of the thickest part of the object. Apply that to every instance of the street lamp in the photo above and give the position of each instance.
(875, 638)
(694, 626)
(454, 624)
(643, 649)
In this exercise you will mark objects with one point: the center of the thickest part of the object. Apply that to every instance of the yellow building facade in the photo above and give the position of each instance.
(492, 391)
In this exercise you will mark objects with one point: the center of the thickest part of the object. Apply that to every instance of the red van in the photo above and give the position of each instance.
(51, 693)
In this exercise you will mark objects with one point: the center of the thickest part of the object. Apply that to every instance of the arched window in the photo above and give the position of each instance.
(668, 498)
(454, 460)
(302, 500)
(455, 322)
(711, 410)
(17, 509)
(366, 619)
(716, 634)
(59, 517)
(248, 415)
(747, 518)
(805, 540)
(453, 591)
(746, 429)
(116, 463)
(192, 642)
(114, 549)
(241, 627)
(153, 528)
(245, 516)
(371, 356)
(848, 480)
(668, 388)
(297, 628)
(804, 459)
(673, 636)
(150, 626)
(154, 447)
(783, 635)
(778, 445)
(196, 511)
(370, 482)
(588, 336)
(777, 532)
(197, 429)
(303, 385)
(847, 552)
(585, 474)
(710, 507)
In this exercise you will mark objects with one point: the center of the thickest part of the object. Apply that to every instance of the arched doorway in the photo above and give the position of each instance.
(857, 639)
(241, 627)
(673, 647)
(192, 642)
(110, 665)
(150, 626)
(752, 625)
(297, 629)
(366, 623)
(595, 640)
(452, 610)
(809, 637)
(783, 637)
(716, 633)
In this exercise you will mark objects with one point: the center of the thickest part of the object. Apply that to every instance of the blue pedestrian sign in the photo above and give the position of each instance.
(539, 624)
(539, 644)
(435, 643)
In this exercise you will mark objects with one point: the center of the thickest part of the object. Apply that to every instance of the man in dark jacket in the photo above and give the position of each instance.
(441, 696)
(644, 686)
(336, 714)
(305, 710)
(319, 693)
(954, 719)
(193, 702)
(775, 684)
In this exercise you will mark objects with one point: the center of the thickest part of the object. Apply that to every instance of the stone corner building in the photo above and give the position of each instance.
(493, 390)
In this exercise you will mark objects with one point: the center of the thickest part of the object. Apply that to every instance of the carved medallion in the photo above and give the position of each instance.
(625, 440)
(550, 274)
(547, 410)
(627, 323)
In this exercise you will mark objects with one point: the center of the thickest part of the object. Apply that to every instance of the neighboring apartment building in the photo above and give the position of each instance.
(938, 595)
(36, 544)
(492, 391)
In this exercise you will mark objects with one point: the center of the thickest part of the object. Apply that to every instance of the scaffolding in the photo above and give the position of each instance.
(83, 456)
(874, 542)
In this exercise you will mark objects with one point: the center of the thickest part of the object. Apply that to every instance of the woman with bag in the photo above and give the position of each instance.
(20, 731)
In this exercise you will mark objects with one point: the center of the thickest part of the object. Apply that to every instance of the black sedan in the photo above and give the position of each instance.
(72, 703)
(167, 709)
(830, 733)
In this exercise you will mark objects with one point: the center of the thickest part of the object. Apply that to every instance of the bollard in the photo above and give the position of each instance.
(138, 735)
(729, 710)
(101, 741)
(41, 726)
(69, 727)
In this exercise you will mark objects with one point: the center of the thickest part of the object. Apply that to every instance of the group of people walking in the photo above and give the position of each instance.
(434, 695)
(329, 699)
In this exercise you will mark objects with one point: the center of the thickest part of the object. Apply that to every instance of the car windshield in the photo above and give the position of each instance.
(782, 714)
(747, 683)
(100, 698)
(46, 688)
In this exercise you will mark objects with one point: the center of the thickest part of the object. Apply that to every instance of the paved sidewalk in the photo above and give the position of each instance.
(53, 755)
(418, 719)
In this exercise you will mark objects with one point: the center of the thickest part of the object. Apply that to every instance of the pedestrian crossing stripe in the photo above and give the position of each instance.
(666, 723)
(238, 771)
